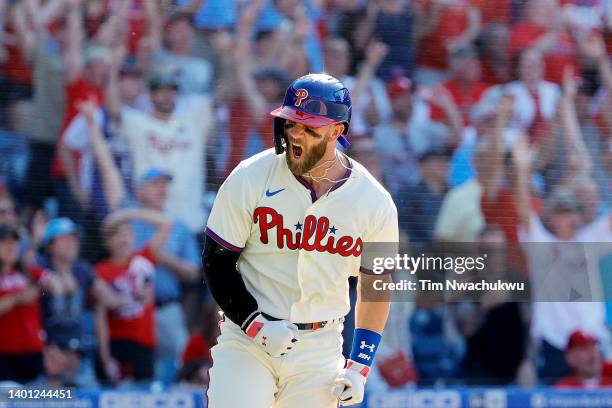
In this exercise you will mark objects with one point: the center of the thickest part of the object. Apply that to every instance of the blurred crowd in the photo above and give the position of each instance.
(489, 121)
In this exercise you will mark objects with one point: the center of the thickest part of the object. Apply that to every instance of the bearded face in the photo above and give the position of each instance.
(305, 148)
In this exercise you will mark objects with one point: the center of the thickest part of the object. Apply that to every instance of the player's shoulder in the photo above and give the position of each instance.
(368, 186)
(260, 162)
(256, 169)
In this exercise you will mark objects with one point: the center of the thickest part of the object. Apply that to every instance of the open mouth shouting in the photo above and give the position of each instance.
(296, 151)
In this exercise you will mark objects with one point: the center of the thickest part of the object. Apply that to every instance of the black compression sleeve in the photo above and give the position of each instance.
(226, 284)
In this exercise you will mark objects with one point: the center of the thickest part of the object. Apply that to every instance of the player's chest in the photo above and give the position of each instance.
(290, 219)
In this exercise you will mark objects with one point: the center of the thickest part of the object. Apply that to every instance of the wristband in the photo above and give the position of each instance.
(365, 345)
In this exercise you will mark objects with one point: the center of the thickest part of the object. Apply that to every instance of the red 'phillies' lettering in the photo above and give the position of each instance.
(311, 239)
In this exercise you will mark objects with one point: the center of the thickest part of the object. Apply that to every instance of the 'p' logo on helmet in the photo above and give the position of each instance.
(300, 95)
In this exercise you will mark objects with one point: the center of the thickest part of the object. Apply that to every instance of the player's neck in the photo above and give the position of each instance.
(328, 172)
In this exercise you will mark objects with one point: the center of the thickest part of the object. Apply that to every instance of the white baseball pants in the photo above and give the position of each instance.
(243, 375)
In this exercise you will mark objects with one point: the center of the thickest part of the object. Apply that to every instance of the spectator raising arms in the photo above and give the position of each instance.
(177, 259)
(557, 281)
(411, 130)
(171, 137)
(544, 31)
(170, 43)
(463, 84)
(85, 76)
(371, 103)
(257, 92)
(448, 25)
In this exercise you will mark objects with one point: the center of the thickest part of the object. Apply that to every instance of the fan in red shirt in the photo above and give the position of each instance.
(499, 11)
(86, 73)
(589, 370)
(21, 341)
(257, 92)
(456, 24)
(126, 335)
(464, 84)
(544, 30)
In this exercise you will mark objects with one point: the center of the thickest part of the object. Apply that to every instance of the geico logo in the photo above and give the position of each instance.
(133, 399)
(416, 399)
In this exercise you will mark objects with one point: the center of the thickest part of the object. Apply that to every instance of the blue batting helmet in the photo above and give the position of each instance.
(314, 100)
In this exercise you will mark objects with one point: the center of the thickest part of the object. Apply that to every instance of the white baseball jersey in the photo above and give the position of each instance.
(178, 146)
(298, 250)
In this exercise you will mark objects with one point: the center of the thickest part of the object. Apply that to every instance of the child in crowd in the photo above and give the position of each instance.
(126, 335)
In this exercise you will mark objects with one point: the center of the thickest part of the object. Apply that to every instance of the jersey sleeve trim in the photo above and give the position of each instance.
(221, 241)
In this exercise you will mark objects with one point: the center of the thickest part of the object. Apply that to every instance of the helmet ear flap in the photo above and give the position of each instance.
(280, 138)
(346, 128)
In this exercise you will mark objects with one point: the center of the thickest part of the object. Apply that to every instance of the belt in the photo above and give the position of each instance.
(308, 326)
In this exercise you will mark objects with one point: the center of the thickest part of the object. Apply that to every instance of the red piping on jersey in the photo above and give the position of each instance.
(221, 241)
(313, 194)
(302, 180)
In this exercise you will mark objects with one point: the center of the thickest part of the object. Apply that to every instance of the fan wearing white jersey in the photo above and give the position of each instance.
(286, 231)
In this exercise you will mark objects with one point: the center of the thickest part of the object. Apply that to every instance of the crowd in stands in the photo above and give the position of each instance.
(489, 121)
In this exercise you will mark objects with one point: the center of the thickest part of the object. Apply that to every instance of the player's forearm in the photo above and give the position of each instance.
(370, 318)
(226, 284)
(371, 315)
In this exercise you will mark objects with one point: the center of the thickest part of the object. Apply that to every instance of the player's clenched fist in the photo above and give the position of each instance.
(350, 384)
(275, 337)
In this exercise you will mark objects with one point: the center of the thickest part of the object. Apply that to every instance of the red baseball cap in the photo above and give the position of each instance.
(399, 87)
(579, 338)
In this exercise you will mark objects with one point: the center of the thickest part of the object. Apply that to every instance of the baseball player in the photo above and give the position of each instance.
(287, 229)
